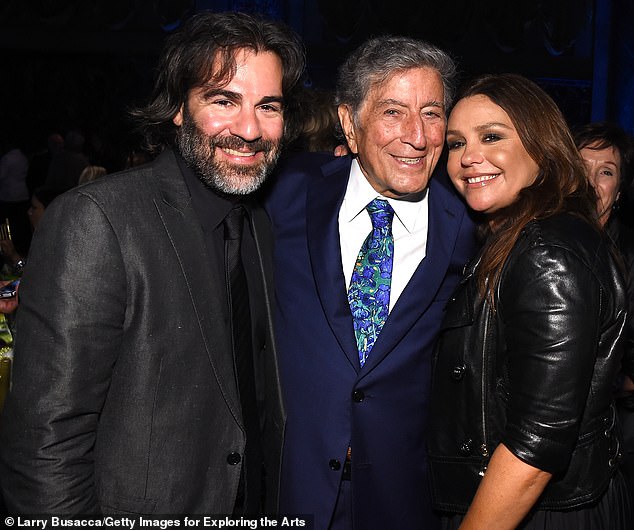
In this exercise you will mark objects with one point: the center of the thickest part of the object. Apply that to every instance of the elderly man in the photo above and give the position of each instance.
(145, 378)
(369, 247)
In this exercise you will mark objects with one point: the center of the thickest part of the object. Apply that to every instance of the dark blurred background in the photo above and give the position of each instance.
(79, 64)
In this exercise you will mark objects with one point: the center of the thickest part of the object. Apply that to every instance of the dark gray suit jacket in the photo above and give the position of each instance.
(124, 396)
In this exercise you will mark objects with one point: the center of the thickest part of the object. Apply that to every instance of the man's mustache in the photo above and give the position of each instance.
(237, 143)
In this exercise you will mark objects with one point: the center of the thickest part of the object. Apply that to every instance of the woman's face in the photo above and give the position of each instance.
(36, 210)
(487, 162)
(603, 171)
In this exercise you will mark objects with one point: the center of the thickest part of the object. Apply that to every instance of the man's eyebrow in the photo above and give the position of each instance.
(392, 101)
(211, 91)
(272, 99)
(434, 103)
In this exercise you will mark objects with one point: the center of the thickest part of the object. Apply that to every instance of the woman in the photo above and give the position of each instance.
(522, 421)
(607, 153)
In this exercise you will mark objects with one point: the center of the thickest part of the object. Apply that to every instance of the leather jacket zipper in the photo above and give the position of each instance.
(484, 451)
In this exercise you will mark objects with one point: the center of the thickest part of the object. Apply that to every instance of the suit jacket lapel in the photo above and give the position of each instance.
(186, 236)
(324, 199)
(446, 213)
(264, 244)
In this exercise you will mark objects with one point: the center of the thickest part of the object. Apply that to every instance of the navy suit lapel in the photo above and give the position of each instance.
(202, 278)
(324, 199)
(263, 237)
(446, 213)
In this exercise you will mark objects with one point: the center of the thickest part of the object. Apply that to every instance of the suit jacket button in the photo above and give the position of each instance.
(458, 372)
(234, 458)
(358, 396)
(334, 464)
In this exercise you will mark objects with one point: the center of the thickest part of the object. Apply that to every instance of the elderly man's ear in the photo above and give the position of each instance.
(347, 125)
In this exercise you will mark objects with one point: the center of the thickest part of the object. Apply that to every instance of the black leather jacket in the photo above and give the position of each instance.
(623, 238)
(536, 374)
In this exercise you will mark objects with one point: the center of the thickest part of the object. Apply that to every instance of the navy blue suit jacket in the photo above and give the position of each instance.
(380, 410)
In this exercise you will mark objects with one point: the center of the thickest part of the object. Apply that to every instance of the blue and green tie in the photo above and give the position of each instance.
(369, 292)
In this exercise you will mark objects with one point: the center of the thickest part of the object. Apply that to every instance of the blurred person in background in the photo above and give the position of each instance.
(90, 173)
(68, 163)
(608, 155)
(41, 160)
(14, 193)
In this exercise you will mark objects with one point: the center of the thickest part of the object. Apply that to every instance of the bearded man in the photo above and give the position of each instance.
(145, 378)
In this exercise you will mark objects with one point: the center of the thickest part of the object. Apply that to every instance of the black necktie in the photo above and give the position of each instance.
(248, 501)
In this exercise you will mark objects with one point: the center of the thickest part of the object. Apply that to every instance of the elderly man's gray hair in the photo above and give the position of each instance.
(377, 59)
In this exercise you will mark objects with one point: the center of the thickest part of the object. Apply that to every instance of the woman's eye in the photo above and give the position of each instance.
(491, 137)
(454, 144)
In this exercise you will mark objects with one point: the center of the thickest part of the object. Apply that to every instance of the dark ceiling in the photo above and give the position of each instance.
(78, 63)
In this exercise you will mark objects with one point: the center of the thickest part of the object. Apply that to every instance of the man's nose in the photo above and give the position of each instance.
(414, 132)
(246, 125)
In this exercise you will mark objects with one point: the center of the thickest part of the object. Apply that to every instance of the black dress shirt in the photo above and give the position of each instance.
(211, 209)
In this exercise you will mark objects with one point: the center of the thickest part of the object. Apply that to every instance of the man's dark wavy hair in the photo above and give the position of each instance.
(188, 61)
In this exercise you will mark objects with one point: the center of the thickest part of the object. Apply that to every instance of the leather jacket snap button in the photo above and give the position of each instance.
(458, 372)
(466, 447)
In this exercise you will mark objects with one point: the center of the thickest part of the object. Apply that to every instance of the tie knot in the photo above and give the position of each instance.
(381, 213)
(234, 222)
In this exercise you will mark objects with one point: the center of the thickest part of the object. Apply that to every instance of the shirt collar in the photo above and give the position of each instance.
(360, 193)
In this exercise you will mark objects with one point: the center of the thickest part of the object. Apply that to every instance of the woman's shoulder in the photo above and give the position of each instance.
(562, 240)
(565, 231)
(566, 250)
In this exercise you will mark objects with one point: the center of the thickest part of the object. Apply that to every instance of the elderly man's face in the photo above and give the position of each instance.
(231, 135)
(400, 132)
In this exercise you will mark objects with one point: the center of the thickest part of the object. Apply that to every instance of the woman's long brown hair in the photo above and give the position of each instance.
(561, 185)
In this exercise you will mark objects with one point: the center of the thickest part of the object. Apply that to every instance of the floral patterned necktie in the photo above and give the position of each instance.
(369, 292)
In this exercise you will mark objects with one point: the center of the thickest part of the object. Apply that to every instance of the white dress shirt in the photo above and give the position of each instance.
(409, 229)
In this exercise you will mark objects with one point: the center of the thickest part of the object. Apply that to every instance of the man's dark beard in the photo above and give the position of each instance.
(198, 150)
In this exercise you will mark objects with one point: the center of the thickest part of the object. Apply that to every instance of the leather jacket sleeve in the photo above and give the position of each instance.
(549, 309)
(623, 238)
